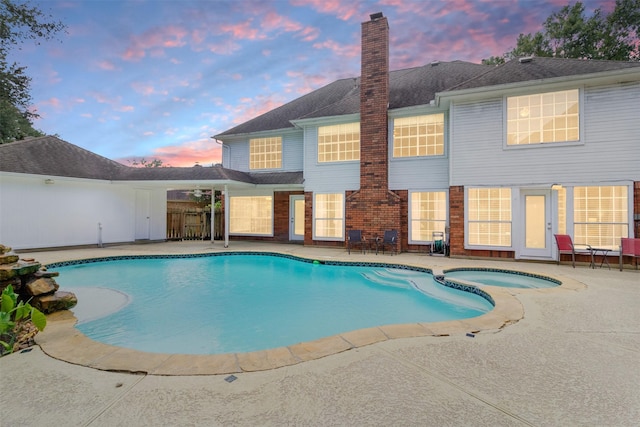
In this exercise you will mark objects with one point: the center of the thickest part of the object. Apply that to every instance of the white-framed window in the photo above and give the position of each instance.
(328, 218)
(427, 213)
(600, 215)
(339, 143)
(251, 215)
(543, 118)
(418, 136)
(265, 153)
(489, 217)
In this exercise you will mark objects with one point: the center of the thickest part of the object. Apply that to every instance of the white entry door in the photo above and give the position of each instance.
(296, 217)
(537, 233)
(143, 215)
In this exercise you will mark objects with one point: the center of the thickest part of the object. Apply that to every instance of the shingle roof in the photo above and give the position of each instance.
(51, 156)
(409, 87)
(418, 86)
(538, 68)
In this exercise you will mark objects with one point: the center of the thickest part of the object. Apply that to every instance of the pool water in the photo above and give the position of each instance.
(502, 278)
(241, 303)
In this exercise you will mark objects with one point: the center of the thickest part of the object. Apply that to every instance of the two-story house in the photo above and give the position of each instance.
(497, 157)
(500, 157)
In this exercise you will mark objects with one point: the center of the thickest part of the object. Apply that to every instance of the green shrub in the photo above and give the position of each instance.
(12, 314)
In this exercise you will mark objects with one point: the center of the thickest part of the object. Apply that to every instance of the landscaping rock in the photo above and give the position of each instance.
(55, 302)
(41, 286)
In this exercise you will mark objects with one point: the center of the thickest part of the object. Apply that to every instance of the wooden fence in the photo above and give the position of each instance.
(193, 224)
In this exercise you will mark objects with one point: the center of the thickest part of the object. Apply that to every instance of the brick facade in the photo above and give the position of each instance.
(373, 208)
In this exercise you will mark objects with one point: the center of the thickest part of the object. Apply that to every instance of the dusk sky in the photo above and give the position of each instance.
(158, 78)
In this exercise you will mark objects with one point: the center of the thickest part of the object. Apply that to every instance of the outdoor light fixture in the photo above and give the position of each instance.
(556, 187)
(197, 192)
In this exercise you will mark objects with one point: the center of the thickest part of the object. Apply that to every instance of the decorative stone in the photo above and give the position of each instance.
(41, 286)
(55, 302)
(45, 273)
(15, 282)
(4, 249)
(8, 259)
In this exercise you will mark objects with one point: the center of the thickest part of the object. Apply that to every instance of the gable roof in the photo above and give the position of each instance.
(408, 87)
(51, 156)
(418, 86)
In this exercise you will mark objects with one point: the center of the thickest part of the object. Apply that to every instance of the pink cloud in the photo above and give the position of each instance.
(340, 9)
(155, 41)
(106, 65)
(203, 151)
(242, 30)
(349, 51)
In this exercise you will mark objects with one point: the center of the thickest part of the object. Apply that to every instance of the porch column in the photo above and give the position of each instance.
(213, 214)
(226, 216)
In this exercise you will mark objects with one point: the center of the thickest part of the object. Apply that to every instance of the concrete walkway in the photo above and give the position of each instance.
(572, 360)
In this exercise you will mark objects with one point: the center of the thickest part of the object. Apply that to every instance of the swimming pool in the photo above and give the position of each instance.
(502, 278)
(239, 302)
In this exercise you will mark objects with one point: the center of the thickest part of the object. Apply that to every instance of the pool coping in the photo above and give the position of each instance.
(61, 340)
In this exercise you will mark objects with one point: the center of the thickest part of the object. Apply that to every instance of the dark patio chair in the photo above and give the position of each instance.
(355, 238)
(390, 239)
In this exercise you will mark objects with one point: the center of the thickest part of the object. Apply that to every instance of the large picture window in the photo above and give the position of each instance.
(418, 136)
(339, 143)
(428, 213)
(600, 216)
(265, 153)
(489, 216)
(251, 215)
(543, 118)
(329, 216)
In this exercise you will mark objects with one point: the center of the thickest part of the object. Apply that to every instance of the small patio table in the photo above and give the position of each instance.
(603, 252)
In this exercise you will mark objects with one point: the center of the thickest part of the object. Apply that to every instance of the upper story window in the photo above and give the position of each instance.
(418, 136)
(339, 143)
(265, 153)
(543, 118)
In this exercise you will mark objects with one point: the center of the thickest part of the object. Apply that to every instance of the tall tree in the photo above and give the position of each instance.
(19, 23)
(569, 33)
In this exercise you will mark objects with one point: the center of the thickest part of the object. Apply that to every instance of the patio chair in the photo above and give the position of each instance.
(566, 246)
(629, 247)
(355, 238)
(390, 239)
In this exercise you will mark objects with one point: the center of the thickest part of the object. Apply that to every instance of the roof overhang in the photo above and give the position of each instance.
(625, 75)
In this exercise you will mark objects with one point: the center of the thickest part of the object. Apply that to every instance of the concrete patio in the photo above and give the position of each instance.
(572, 359)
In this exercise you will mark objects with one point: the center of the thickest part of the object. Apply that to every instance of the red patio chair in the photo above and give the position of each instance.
(629, 247)
(566, 246)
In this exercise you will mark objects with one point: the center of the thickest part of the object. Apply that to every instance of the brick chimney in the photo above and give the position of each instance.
(373, 208)
(374, 102)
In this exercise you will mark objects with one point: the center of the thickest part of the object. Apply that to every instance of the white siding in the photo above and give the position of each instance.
(327, 177)
(609, 148)
(71, 212)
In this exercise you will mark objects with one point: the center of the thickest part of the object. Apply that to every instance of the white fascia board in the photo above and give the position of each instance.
(603, 78)
(55, 177)
(258, 134)
(327, 120)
